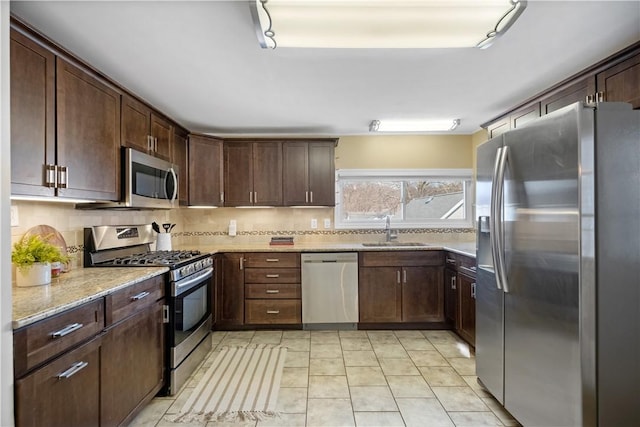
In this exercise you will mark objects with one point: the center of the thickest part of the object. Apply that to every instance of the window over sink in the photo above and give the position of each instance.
(413, 198)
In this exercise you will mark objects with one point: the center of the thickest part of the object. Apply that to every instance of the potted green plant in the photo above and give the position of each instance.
(33, 256)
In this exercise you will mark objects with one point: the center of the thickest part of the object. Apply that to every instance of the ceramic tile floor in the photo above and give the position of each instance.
(360, 378)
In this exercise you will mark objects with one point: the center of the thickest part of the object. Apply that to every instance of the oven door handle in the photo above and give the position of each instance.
(192, 281)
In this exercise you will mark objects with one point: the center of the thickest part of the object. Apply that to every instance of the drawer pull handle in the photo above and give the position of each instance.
(451, 261)
(273, 311)
(66, 330)
(272, 260)
(273, 291)
(74, 369)
(140, 296)
(273, 276)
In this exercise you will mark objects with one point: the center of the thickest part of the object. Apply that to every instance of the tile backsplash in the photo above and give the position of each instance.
(210, 226)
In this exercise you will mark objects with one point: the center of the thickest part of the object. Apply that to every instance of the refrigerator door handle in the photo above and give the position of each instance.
(499, 224)
(493, 216)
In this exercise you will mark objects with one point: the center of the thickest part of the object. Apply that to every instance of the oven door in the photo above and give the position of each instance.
(190, 306)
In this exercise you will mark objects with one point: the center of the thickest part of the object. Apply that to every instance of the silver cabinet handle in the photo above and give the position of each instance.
(306, 197)
(310, 196)
(63, 177)
(404, 276)
(272, 291)
(255, 197)
(250, 196)
(600, 96)
(149, 143)
(140, 296)
(473, 290)
(450, 261)
(241, 263)
(66, 330)
(165, 314)
(50, 177)
(74, 369)
(222, 197)
(453, 282)
(272, 276)
(272, 260)
(398, 276)
(273, 311)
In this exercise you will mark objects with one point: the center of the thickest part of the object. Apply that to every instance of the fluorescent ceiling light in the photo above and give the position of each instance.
(413, 125)
(383, 23)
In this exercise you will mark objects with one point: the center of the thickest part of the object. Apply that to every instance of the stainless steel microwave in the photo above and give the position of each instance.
(147, 183)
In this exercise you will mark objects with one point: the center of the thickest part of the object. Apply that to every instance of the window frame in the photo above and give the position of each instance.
(465, 175)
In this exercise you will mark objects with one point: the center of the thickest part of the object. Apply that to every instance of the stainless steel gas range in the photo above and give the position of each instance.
(187, 312)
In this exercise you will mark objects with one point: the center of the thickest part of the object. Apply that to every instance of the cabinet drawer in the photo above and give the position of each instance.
(272, 291)
(401, 258)
(127, 301)
(272, 275)
(64, 392)
(259, 311)
(43, 340)
(272, 259)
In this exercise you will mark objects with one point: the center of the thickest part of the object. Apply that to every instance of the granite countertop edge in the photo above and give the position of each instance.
(73, 289)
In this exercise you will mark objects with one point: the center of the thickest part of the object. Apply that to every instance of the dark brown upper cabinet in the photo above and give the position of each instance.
(574, 92)
(179, 157)
(252, 173)
(309, 173)
(145, 130)
(32, 116)
(205, 171)
(622, 82)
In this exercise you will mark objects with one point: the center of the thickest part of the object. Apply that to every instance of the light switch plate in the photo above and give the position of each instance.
(314, 223)
(327, 223)
(14, 216)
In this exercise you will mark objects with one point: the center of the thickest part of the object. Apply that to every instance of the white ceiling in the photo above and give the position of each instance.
(200, 63)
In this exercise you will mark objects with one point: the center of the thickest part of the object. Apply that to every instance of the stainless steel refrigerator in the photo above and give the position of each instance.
(558, 278)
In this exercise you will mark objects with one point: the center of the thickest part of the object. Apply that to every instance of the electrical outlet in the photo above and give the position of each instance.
(14, 216)
(314, 223)
(327, 223)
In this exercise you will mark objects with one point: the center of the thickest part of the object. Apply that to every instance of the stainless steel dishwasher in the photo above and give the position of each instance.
(330, 290)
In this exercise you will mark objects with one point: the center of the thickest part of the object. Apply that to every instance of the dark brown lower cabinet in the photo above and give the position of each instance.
(422, 294)
(380, 295)
(132, 369)
(64, 392)
(450, 297)
(230, 291)
(467, 308)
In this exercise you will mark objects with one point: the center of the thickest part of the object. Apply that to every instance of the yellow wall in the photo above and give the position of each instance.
(476, 139)
(409, 152)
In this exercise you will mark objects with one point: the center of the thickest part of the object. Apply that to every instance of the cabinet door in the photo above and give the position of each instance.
(88, 134)
(467, 325)
(450, 297)
(295, 173)
(524, 115)
(622, 82)
(267, 173)
(499, 127)
(132, 364)
(135, 124)
(32, 115)
(322, 174)
(205, 171)
(179, 153)
(422, 294)
(380, 294)
(238, 173)
(231, 292)
(162, 131)
(64, 392)
(575, 92)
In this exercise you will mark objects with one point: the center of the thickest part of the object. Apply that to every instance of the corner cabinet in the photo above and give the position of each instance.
(401, 287)
(252, 173)
(309, 173)
(205, 171)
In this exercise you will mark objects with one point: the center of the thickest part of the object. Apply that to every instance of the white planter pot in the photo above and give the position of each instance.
(36, 275)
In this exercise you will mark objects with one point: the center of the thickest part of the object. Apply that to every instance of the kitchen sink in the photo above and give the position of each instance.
(381, 244)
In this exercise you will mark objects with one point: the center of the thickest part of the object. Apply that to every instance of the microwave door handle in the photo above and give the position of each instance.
(175, 185)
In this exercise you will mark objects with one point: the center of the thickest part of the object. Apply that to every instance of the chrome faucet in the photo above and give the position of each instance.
(387, 229)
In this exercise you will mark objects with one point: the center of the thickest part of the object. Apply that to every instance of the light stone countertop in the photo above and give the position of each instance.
(73, 289)
(463, 248)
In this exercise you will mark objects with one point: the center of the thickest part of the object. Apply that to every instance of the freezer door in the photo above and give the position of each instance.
(541, 240)
(489, 299)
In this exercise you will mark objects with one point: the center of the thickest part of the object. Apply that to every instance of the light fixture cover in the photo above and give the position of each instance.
(438, 125)
(383, 23)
